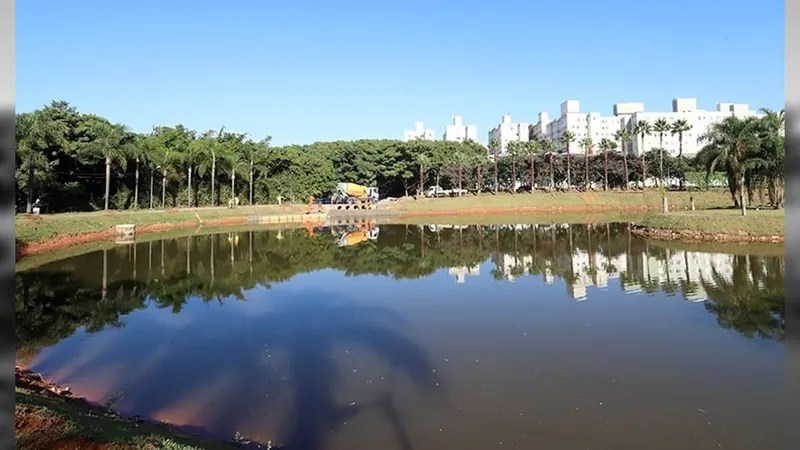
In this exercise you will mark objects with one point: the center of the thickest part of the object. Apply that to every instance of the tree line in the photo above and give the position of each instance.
(74, 161)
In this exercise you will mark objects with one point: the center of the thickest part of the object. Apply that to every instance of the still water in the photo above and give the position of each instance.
(411, 337)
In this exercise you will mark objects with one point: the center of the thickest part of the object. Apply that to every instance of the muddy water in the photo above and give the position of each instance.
(550, 336)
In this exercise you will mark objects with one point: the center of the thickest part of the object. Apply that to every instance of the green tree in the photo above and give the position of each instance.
(514, 150)
(643, 129)
(105, 141)
(567, 138)
(35, 134)
(550, 148)
(680, 127)
(532, 149)
(606, 145)
(624, 136)
(730, 144)
(661, 126)
(494, 149)
(587, 148)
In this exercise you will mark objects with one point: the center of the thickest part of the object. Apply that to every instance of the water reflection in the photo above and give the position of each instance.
(258, 332)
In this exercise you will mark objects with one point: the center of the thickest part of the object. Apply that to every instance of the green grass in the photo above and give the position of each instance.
(729, 221)
(612, 200)
(31, 228)
(66, 419)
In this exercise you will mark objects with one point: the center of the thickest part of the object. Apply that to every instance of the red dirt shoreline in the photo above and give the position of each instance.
(68, 240)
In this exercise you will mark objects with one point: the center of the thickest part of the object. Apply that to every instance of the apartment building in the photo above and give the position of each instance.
(419, 132)
(508, 131)
(626, 115)
(458, 132)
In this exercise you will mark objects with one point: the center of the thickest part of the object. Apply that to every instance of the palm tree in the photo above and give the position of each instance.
(140, 151)
(679, 127)
(606, 145)
(459, 159)
(770, 157)
(214, 146)
(643, 129)
(624, 136)
(256, 153)
(234, 159)
(35, 133)
(661, 126)
(549, 147)
(421, 151)
(108, 143)
(513, 151)
(494, 148)
(587, 147)
(729, 144)
(193, 156)
(532, 149)
(479, 160)
(566, 139)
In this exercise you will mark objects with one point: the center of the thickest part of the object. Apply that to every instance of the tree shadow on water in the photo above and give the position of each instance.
(308, 329)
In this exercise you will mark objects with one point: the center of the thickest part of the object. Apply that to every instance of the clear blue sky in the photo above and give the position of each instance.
(304, 71)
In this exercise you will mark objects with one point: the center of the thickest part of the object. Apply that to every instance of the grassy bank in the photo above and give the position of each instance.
(31, 228)
(566, 201)
(46, 420)
(716, 225)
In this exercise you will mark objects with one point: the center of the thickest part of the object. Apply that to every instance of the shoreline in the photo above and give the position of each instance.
(44, 407)
(697, 236)
(636, 203)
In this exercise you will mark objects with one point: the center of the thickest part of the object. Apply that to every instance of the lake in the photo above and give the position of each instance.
(550, 336)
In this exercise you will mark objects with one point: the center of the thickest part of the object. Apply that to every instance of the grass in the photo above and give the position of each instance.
(30, 228)
(47, 421)
(566, 200)
(721, 221)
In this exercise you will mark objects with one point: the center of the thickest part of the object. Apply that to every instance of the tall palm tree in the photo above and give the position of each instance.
(643, 129)
(730, 144)
(624, 136)
(679, 127)
(661, 126)
(587, 148)
(479, 159)
(549, 147)
(494, 147)
(422, 159)
(214, 145)
(107, 142)
(606, 145)
(566, 139)
(459, 159)
(193, 156)
(514, 149)
(532, 148)
(256, 154)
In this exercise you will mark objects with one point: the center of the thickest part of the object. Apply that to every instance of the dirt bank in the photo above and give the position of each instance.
(689, 235)
(47, 416)
(68, 240)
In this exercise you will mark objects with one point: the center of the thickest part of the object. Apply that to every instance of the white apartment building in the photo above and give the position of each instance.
(627, 115)
(698, 119)
(458, 132)
(462, 272)
(508, 131)
(419, 132)
(580, 124)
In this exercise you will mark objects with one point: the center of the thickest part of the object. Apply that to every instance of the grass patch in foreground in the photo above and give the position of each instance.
(45, 421)
(34, 228)
(612, 199)
(728, 221)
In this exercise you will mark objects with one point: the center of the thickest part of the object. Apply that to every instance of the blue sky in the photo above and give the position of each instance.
(304, 71)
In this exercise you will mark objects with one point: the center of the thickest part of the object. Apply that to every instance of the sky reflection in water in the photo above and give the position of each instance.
(547, 337)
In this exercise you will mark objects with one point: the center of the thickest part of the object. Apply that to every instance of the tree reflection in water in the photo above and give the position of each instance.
(94, 290)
